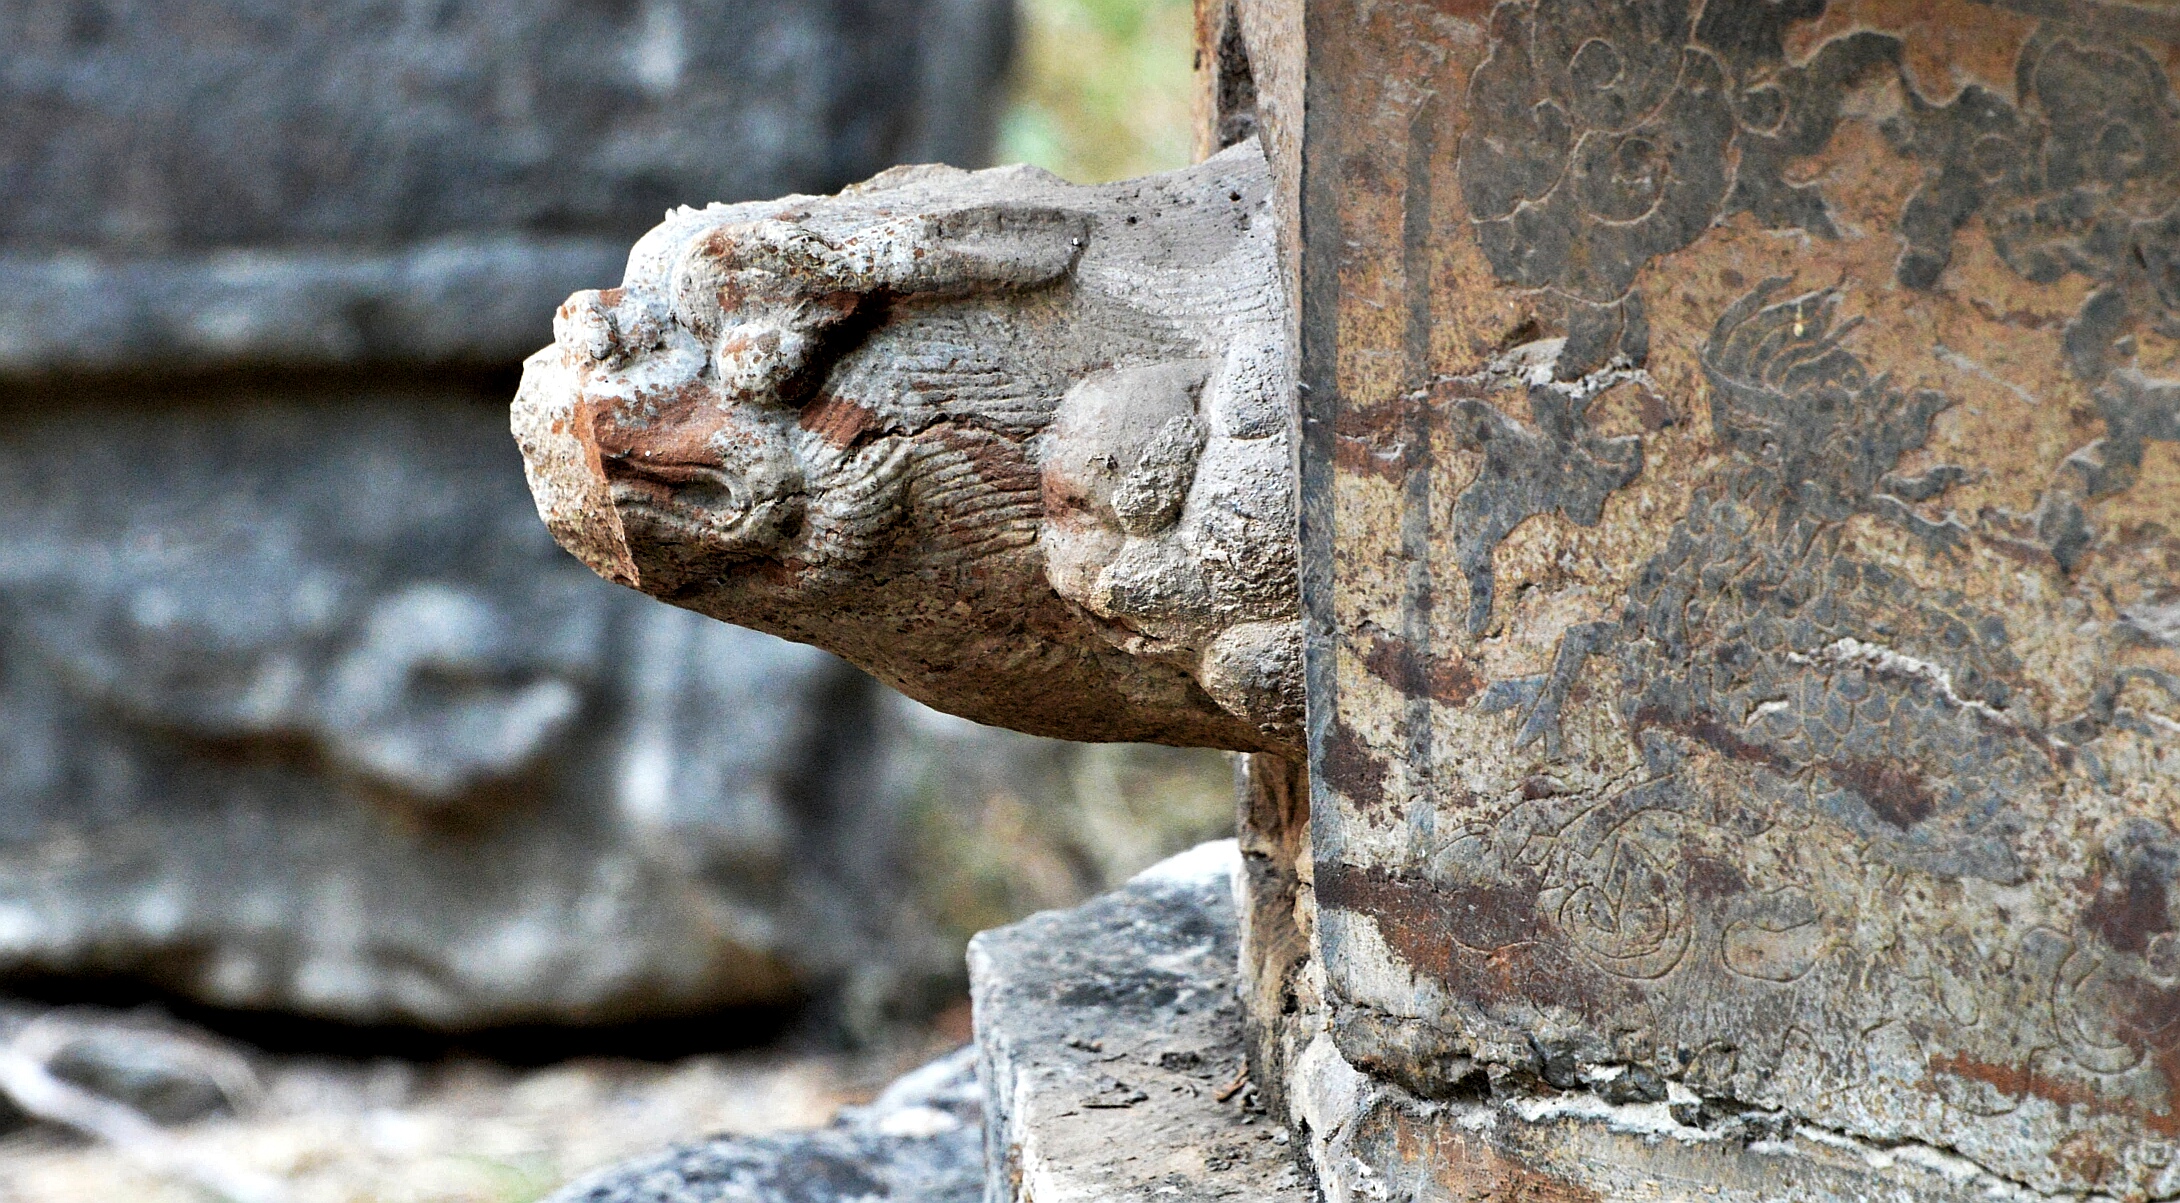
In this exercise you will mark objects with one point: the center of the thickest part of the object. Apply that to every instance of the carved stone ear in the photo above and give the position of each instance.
(977, 249)
(760, 263)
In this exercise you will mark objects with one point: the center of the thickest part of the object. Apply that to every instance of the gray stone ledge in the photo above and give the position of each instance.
(458, 300)
(1109, 1050)
(1111, 1046)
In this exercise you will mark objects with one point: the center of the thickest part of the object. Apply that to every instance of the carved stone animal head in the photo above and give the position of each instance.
(1019, 448)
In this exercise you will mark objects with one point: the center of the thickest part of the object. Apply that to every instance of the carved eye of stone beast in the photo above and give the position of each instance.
(1017, 447)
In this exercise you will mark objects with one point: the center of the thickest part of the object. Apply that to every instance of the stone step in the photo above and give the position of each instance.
(1110, 1046)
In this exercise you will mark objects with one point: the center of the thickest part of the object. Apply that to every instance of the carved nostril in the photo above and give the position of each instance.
(714, 497)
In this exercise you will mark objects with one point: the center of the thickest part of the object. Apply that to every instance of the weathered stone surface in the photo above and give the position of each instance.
(304, 712)
(1279, 1000)
(1738, 482)
(1017, 447)
(1112, 1052)
(219, 183)
(922, 1141)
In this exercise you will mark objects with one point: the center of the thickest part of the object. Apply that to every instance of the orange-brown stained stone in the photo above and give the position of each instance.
(1845, 733)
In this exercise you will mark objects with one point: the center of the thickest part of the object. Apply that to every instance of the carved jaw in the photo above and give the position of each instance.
(659, 430)
(637, 455)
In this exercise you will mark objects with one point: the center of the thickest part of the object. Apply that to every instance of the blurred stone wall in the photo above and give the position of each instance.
(215, 183)
(300, 708)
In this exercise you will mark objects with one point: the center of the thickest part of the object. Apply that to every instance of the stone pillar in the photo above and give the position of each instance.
(1739, 484)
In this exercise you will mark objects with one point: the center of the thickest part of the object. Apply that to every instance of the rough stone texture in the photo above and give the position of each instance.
(1107, 1035)
(921, 1141)
(1280, 1010)
(1370, 1140)
(1249, 68)
(1017, 447)
(201, 185)
(1739, 480)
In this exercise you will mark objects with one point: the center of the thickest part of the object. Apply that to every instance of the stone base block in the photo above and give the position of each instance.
(1111, 1049)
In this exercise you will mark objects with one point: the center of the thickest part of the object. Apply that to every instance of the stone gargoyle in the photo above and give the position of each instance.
(1017, 447)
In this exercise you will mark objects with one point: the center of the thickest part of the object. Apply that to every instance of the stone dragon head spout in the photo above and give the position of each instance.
(1019, 448)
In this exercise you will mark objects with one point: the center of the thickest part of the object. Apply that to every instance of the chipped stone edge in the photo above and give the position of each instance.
(1332, 1099)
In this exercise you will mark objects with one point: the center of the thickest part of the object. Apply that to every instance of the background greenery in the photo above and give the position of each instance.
(1101, 88)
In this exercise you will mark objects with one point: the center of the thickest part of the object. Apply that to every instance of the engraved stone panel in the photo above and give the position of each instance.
(1741, 468)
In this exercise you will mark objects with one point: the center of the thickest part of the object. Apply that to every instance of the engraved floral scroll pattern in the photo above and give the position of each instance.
(2079, 173)
(1600, 139)
(1605, 135)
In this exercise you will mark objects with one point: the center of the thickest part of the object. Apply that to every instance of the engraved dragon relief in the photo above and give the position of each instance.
(1751, 635)
(1841, 689)
(1017, 447)
(1851, 693)
(1825, 694)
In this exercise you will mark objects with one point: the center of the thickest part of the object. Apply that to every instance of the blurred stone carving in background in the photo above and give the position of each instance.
(300, 708)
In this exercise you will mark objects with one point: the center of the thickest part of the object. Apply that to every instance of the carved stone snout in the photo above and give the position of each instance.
(1017, 447)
